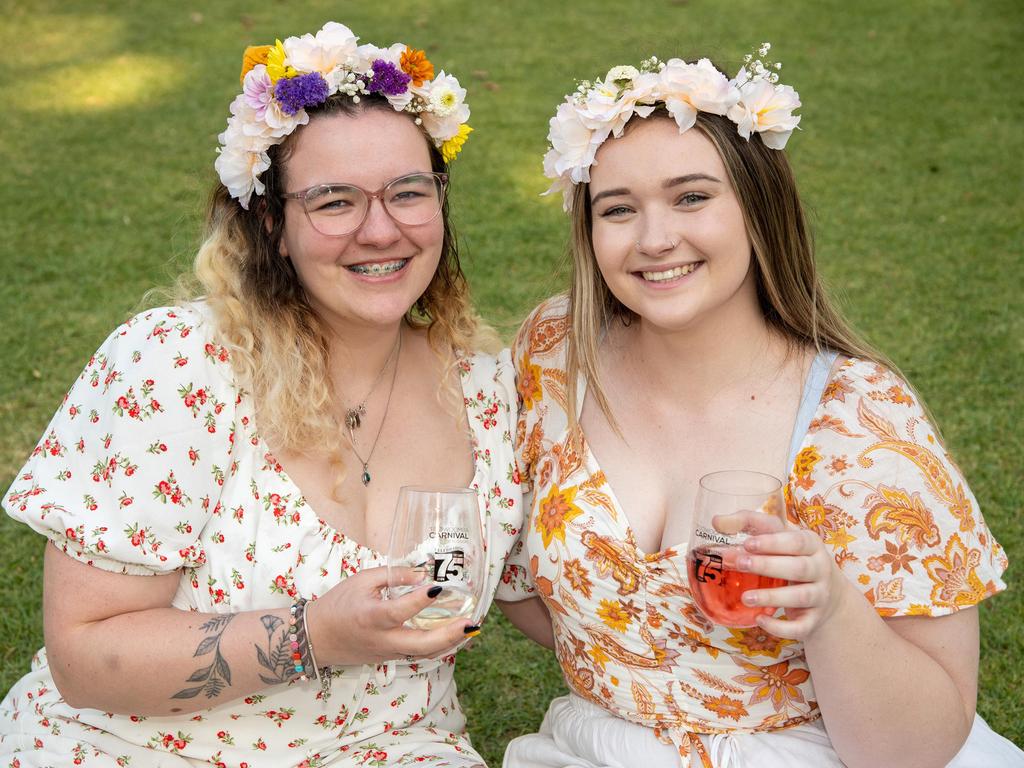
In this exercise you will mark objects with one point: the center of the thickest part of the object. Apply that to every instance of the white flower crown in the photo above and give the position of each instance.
(753, 100)
(279, 81)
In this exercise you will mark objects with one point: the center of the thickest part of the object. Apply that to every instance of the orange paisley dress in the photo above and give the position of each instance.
(870, 477)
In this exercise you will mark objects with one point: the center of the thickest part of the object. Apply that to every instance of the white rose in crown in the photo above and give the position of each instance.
(767, 109)
(333, 46)
(367, 53)
(688, 89)
(606, 107)
(573, 143)
(239, 171)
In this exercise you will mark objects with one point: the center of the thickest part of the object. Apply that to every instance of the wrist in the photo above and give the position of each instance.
(314, 667)
(316, 637)
(841, 612)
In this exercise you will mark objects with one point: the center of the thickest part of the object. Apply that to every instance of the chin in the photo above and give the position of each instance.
(667, 318)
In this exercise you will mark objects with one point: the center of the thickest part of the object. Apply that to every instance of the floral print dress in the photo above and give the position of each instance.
(154, 464)
(871, 478)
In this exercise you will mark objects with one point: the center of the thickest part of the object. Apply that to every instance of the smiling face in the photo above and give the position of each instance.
(667, 228)
(371, 277)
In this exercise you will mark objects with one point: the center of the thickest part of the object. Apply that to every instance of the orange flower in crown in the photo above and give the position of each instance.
(416, 65)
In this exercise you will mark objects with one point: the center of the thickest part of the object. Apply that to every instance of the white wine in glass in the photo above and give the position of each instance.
(437, 531)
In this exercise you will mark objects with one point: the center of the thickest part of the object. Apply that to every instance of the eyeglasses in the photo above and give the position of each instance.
(340, 209)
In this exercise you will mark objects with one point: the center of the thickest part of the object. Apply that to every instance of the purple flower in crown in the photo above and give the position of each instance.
(295, 93)
(388, 79)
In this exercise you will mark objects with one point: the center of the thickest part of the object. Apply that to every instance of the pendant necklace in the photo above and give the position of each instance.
(354, 416)
(353, 423)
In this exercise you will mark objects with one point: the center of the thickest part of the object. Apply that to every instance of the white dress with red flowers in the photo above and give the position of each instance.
(154, 464)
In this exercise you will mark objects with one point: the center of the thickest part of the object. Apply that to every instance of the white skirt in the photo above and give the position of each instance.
(578, 734)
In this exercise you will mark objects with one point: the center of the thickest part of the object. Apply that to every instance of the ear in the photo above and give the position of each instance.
(268, 227)
(282, 246)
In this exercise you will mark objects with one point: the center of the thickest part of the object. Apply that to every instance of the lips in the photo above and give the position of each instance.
(378, 268)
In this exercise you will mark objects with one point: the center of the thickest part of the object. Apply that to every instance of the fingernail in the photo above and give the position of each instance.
(471, 630)
(743, 561)
(434, 591)
(750, 598)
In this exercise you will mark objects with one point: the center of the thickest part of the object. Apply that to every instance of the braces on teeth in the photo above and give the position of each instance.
(378, 269)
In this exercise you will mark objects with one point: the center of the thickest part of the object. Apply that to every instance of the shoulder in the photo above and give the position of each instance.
(179, 339)
(544, 331)
(868, 379)
(185, 325)
(864, 395)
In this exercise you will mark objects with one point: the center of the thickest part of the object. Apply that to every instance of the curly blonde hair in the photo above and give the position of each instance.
(277, 342)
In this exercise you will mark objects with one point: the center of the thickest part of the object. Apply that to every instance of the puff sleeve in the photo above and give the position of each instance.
(540, 337)
(131, 467)
(875, 482)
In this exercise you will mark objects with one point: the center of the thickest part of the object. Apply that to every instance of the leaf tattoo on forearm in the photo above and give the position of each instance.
(217, 675)
(277, 658)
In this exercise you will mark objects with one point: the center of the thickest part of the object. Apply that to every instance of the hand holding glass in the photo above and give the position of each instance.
(731, 506)
(437, 532)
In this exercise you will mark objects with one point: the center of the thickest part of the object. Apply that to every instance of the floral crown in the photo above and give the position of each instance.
(279, 81)
(753, 100)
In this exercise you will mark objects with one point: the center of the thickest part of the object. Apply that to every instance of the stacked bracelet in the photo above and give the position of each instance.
(302, 654)
(298, 640)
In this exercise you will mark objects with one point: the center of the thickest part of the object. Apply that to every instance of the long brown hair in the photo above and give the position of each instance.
(790, 292)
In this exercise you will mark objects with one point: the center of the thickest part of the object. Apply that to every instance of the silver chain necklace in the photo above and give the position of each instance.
(354, 416)
(396, 353)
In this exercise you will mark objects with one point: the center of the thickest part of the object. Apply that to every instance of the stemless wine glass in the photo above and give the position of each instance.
(731, 506)
(437, 531)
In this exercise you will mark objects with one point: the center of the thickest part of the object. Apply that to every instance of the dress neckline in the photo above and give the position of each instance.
(365, 552)
(819, 375)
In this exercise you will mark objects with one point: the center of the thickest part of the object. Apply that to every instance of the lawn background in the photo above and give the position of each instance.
(910, 160)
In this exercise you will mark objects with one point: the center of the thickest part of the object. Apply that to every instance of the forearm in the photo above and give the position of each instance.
(884, 700)
(164, 661)
(530, 617)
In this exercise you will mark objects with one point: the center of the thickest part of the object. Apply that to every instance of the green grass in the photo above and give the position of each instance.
(909, 158)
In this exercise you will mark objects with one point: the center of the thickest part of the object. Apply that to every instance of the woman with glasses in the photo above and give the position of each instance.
(219, 484)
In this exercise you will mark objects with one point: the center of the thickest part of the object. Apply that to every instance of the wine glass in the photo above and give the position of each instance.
(731, 506)
(437, 531)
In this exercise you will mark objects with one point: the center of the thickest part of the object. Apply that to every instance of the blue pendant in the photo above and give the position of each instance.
(366, 477)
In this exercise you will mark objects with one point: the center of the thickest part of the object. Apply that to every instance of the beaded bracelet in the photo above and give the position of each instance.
(297, 638)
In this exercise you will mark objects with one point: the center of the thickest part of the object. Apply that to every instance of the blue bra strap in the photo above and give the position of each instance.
(814, 387)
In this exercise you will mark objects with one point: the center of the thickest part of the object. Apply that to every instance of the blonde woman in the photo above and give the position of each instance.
(219, 484)
(697, 337)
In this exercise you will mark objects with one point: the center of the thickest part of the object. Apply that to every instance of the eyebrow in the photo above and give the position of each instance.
(688, 178)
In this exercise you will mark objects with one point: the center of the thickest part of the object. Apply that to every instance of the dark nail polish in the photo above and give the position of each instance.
(470, 629)
(434, 591)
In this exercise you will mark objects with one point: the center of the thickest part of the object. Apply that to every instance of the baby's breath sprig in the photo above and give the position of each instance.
(653, 64)
(755, 68)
